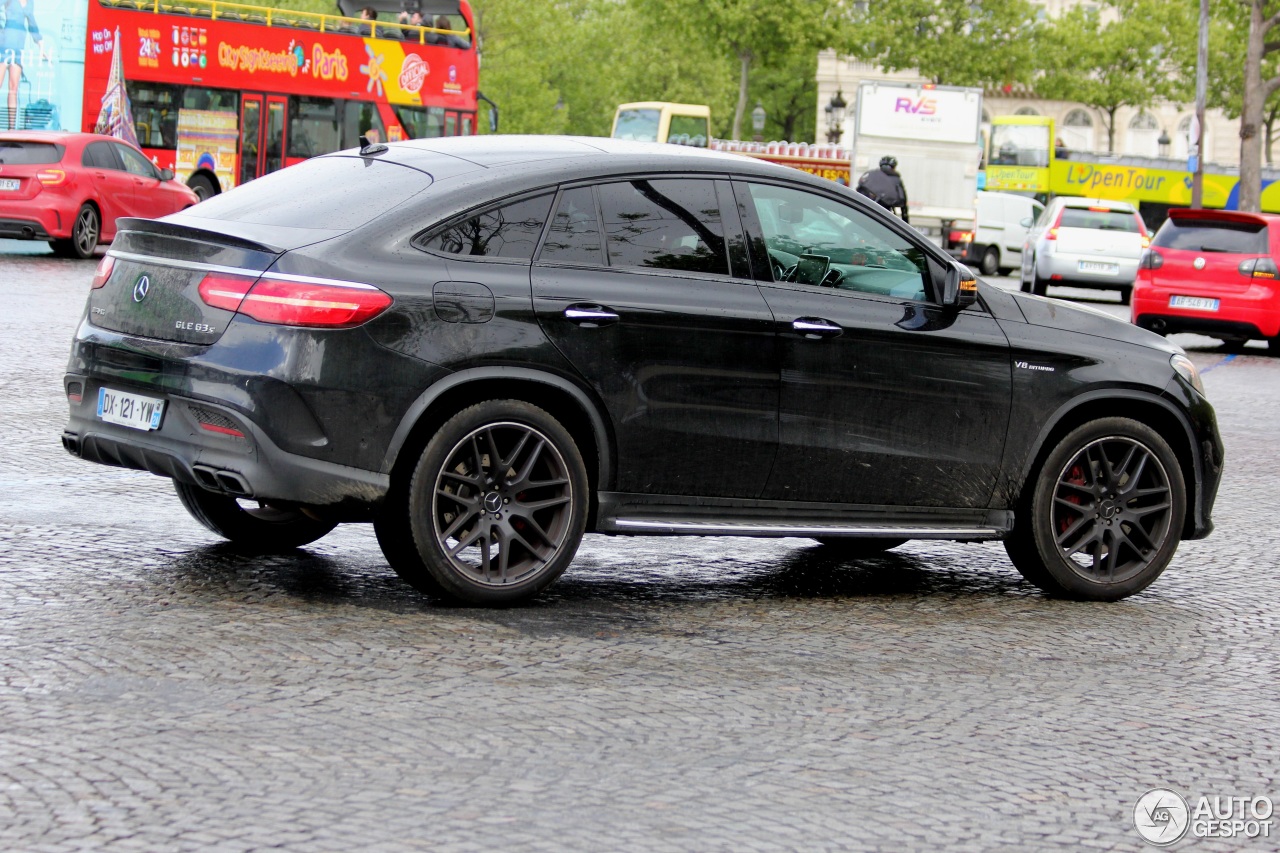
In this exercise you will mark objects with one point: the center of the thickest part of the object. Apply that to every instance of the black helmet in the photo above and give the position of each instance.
(891, 162)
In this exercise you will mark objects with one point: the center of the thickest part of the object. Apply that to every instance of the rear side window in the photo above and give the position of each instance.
(325, 193)
(670, 225)
(99, 155)
(16, 153)
(510, 231)
(574, 236)
(1198, 235)
(1099, 220)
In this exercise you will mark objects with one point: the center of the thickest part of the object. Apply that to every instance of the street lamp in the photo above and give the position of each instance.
(1163, 142)
(835, 117)
(757, 122)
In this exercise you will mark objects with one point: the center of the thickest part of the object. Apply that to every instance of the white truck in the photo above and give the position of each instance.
(935, 132)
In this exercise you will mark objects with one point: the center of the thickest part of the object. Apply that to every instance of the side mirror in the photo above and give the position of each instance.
(959, 288)
(1027, 222)
(166, 174)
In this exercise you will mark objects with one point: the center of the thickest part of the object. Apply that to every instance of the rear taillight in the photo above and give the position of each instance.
(51, 177)
(301, 302)
(1259, 268)
(1053, 229)
(103, 272)
(961, 236)
(224, 291)
(1151, 260)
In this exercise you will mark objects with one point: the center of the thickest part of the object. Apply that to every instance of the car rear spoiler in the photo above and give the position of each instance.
(1214, 215)
(189, 232)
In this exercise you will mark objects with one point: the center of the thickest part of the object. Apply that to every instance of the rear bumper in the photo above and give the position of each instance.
(184, 449)
(28, 228)
(1063, 268)
(1254, 313)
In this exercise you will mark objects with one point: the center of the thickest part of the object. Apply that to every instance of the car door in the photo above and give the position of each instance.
(148, 199)
(112, 185)
(887, 398)
(678, 344)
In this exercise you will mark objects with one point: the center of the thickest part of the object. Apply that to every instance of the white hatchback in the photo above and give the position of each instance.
(1084, 242)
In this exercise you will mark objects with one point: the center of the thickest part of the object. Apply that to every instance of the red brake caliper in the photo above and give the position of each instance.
(1075, 478)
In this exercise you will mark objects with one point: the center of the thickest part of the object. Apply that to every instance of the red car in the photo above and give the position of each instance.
(70, 188)
(1212, 272)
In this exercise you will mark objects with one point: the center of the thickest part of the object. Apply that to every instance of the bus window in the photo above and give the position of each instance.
(216, 100)
(689, 130)
(275, 134)
(640, 125)
(357, 120)
(1019, 145)
(422, 122)
(155, 116)
(451, 124)
(468, 122)
(313, 126)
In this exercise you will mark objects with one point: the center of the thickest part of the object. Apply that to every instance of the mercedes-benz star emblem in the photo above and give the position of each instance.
(140, 288)
(493, 502)
(1198, 263)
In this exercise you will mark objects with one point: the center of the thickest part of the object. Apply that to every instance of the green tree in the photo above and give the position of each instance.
(950, 42)
(1261, 81)
(1125, 59)
(787, 90)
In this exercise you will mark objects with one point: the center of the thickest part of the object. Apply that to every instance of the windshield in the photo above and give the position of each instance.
(639, 125)
(1237, 238)
(1020, 145)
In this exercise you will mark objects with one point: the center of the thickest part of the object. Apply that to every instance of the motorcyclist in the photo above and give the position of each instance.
(884, 186)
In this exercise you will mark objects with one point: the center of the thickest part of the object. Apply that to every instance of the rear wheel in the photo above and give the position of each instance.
(990, 264)
(84, 235)
(496, 507)
(1104, 514)
(253, 525)
(1039, 286)
(1126, 295)
(859, 546)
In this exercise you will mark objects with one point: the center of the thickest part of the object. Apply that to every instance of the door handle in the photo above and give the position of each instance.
(590, 316)
(816, 327)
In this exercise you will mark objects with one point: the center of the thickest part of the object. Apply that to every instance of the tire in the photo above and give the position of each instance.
(990, 263)
(1039, 286)
(1273, 345)
(501, 476)
(1024, 283)
(84, 235)
(202, 187)
(263, 528)
(859, 546)
(1126, 294)
(1127, 473)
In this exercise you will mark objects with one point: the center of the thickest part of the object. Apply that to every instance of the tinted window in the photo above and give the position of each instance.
(673, 225)
(325, 192)
(504, 232)
(1099, 220)
(16, 153)
(99, 155)
(813, 240)
(574, 236)
(1242, 238)
(135, 163)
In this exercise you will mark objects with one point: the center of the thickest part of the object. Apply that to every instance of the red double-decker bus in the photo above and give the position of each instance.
(225, 92)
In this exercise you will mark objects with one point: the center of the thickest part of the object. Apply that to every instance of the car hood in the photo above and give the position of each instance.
(1054, 313)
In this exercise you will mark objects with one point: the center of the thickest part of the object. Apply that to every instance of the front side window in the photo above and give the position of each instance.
(574, 236)
(815, 241)
(510, 231)
(666, 224)
(135, 163)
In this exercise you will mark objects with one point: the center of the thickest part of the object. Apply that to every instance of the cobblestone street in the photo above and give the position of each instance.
(160, 691)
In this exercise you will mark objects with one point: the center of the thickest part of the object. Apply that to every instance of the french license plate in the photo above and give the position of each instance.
(1099, 267)
(10, 184)
(132, 410)
(1195, 303)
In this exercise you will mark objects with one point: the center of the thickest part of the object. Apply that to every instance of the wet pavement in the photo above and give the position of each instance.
(162, 692)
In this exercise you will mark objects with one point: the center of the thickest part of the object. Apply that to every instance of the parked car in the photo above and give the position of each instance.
(489, 346)
(70, 188)
(1213, 272)
(993, 241)
(1084, 242)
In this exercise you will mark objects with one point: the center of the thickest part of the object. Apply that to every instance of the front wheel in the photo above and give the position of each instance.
(496, 507)
(253, 525)
(1104, 514)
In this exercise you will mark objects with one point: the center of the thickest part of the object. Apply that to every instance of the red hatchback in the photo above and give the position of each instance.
(1212, 272)
(70, 188)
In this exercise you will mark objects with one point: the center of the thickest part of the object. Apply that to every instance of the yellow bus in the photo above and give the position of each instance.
(661, 121)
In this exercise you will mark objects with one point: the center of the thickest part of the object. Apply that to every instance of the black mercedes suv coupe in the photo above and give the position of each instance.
(489, 346)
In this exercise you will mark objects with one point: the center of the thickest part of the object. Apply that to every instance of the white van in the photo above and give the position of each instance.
(994, 243)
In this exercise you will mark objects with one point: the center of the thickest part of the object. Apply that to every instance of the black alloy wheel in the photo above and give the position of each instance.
(1106, 513)
(84, 235)
(497, 505)
(250, 524)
